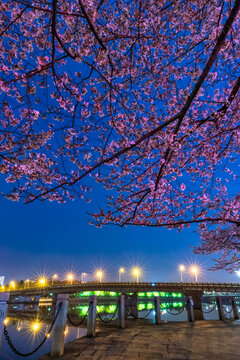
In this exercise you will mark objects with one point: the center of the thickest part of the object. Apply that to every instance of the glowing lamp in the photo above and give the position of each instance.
(99, 275)
(181, 268)
(42, 281)
(136, 272)
(54, 277)
(12, 284)
(121, 271)
(70, 277)
(195, 271)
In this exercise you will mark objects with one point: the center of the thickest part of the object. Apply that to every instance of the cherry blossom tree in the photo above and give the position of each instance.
(226, 243)
(141, 96)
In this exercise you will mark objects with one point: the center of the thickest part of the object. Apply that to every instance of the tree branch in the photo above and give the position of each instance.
(91, 25)
(13, 21)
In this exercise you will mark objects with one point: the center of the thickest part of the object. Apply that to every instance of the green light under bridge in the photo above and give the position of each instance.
(97, 293)
(148, 294)
(160, 293)
(110, 309)
(163, 306)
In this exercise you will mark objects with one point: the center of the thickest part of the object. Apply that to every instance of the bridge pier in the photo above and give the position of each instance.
(157, 310)
(189, 306)
(58, 338)
(234, 308)
(196, 296)
(221, 313)
(131, 305)
(91, 321)
(121, 312)
(54, 302)
(4, 297)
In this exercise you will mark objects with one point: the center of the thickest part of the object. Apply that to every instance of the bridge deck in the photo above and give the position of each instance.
(215, 340)
(127, 287)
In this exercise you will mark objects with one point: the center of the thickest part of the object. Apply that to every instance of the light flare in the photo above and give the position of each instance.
(70, 277)
(99, 274)
(42, 281)
(136, 273)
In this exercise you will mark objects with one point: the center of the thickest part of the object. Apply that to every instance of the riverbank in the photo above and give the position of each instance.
(201, 340)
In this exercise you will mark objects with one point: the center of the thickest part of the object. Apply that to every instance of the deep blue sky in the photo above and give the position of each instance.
(50, 237)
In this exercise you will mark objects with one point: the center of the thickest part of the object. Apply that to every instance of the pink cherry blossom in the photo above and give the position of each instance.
(182, 187)
(141, 96)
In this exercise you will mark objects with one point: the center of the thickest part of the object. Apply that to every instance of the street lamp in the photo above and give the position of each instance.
(99, 275)
(27, 282)
(82, 276)
(54, 277)
(13, 285)
(136, 272)
(121, 271)
(42, 281)
(181, 268)
(195, 271)
(70, 278)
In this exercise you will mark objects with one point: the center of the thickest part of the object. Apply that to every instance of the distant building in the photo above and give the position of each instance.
(2, 280)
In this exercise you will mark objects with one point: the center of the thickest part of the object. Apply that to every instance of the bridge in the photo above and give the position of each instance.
(128, 287)
(190, 290)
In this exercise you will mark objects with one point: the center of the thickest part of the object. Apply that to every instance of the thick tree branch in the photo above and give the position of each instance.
(185, 222)
(207, 68)
(91, 25)
(220, 41)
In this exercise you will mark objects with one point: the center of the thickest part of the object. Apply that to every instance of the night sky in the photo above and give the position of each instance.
(45, 237)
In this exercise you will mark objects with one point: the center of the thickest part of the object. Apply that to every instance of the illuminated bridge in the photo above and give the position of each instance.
(131, 287)
(132, 291)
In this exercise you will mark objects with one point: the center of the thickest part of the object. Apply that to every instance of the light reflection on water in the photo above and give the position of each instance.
(25, 339)
(26, 335)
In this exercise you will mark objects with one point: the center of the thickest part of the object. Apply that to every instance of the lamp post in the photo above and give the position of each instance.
(195, 270)
(42, 282)
(70, 278)
(26, 283)
(121, 271)
(99, 275)
(13, 285)
(136, 272)
(54, 277)
(82, 276)
(181, 268)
